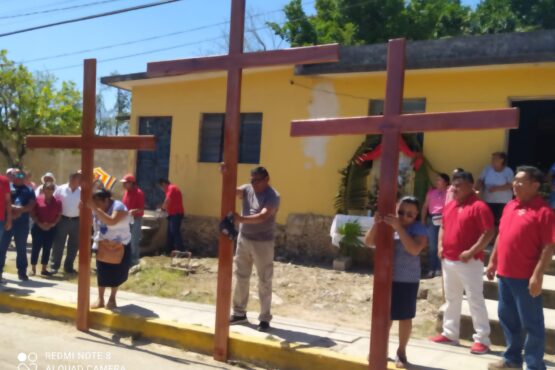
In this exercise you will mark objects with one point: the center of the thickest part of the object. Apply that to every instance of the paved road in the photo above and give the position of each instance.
(29, 343)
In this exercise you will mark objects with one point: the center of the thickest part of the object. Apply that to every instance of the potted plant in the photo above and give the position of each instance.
(350, 240)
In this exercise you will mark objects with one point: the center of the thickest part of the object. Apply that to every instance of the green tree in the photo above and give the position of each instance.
(31, 104)
(352, 22)
(495, 16)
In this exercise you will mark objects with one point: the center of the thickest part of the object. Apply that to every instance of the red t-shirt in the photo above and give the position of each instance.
(463, 224)
(4, 189)
(524, 230)
(175, 201)
(47, 212)
(134, 198)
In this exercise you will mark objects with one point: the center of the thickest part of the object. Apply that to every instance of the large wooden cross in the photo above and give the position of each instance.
(87, 142)
(391, 124)
(234, 62)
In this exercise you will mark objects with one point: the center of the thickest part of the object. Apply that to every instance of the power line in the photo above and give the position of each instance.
(125, 43)
(110, 46)
(57, 9)
(105, 14)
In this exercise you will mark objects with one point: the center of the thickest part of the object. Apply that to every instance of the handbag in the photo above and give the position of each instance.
(110, 251)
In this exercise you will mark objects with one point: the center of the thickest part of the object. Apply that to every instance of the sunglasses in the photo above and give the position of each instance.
(257, 180)
(408, 214)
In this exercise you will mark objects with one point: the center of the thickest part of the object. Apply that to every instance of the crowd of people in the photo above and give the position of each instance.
(458, 220)
(463, 218)
(51, 213)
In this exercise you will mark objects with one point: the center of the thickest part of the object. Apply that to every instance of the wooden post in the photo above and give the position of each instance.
(87, 142)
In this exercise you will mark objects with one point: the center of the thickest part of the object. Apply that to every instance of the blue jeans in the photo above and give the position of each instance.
(434, 263)
(521, 317)
(136, 240)
(175, 241)
(20, 232)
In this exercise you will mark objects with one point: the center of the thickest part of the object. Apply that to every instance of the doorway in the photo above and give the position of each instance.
(533, 142)
(153, 165)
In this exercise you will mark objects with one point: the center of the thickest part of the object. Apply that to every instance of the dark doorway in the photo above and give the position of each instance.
(156, 164)
(532, 143)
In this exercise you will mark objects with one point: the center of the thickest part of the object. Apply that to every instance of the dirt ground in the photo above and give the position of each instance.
(313, 293)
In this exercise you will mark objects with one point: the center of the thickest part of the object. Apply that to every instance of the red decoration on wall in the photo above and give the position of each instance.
(403, 148)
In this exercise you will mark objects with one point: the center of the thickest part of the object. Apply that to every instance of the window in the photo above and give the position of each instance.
(212, 137)
(409, 106)
(418, 105)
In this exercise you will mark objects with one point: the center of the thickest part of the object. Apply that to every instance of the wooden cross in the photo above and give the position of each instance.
(390, 125)
(87, 142)
(233, 63)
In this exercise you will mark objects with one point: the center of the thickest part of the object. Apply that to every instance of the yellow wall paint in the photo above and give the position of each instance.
(305, 170)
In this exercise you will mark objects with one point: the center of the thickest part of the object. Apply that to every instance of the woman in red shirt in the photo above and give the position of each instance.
(46, 214)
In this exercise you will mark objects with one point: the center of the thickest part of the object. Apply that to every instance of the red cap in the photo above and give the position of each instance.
(128, 178)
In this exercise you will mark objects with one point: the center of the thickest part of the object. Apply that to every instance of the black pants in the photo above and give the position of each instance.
(42, 239)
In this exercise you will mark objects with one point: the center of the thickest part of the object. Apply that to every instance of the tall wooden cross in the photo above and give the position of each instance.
(391, 124)
(234, 63)
(87, 142)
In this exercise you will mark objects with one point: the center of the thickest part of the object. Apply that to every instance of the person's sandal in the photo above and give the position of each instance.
(111, 305)
(401, 361)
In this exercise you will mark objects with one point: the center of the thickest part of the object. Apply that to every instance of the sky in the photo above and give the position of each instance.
(198, 27)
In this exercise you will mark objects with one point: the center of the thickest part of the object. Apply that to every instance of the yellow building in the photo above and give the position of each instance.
(467, 73)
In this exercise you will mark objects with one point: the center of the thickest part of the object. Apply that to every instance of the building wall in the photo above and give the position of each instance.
(305, 170)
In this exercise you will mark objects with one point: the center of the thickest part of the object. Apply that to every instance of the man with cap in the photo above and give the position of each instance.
(22, 202)
(68, 227)
(47, 177)
(134, 200)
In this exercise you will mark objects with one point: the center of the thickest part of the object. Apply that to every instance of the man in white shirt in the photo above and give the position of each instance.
(68, 227)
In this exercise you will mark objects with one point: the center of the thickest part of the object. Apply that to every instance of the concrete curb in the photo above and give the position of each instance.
(265, 352)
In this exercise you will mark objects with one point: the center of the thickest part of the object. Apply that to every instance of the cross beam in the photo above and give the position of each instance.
(87, 142)
(390, 125)
(234, 62)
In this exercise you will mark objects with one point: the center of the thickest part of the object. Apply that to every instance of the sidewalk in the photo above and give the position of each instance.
(285, 331)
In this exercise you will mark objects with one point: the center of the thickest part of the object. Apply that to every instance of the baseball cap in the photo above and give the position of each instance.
(128, 178)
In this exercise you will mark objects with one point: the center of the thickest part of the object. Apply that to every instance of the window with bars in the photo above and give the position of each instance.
(211, 140)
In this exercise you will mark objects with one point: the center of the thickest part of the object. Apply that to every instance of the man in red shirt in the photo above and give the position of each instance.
(467, 228)
(134, 200)
(173, 205)
(522, 252)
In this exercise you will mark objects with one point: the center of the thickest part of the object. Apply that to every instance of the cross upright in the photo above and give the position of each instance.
(234, 63)
(390, 125)
(87, 142)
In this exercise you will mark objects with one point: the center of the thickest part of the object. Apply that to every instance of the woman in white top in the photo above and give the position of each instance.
(496, 184)
(111, 222)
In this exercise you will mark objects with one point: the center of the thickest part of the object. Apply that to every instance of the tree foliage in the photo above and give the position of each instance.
(352, 22)
(114, 120)
(31, 104)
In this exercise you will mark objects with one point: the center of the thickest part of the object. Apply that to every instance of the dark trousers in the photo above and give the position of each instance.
(175, 241)
(19, 232)
(67, 229)
(42, 239)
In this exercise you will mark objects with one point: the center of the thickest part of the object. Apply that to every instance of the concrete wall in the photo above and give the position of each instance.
(62, 162)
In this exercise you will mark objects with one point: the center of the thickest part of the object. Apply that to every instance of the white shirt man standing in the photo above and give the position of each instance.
(68, 227)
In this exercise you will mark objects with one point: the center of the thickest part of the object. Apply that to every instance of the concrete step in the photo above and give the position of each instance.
(496, 336)
(491, 292)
